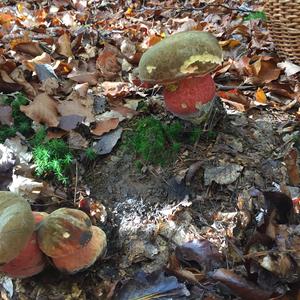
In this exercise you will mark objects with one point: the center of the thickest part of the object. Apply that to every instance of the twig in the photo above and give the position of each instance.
(76, 182)
(235, 87)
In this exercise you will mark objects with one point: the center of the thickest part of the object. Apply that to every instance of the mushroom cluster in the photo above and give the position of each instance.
(66, 236)
(182, 63)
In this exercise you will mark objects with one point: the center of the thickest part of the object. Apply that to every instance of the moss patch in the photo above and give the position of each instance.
(51, 157)
(21, 123)
(154, 142)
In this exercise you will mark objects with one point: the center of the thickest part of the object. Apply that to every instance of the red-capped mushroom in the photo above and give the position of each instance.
(31, 259)
(84, 257)
(16, 225)
(182, 63)
(64, 232)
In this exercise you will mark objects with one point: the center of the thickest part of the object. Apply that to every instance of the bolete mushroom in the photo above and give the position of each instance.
(16, 225)
(30, 260)
(64, 232)
(182, 63)
(85, 256)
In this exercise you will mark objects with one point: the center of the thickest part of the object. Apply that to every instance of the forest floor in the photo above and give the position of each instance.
(219, 219)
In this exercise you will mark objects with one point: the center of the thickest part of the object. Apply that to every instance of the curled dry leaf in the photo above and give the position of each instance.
(44, 58)
(239, 286)
(64, 45)
(27, 47)
(105, 126)
(202, 252)
(18, 76)
(107, 62)
(43, 109)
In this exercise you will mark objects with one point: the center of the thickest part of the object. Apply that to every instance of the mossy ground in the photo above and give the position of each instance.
(158, 143)
(21, 123)
(51, 157)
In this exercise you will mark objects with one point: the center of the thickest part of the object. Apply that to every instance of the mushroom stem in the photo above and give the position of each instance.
(190, 98)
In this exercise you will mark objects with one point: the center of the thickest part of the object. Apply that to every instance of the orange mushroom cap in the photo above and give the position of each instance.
(64, 232)
(83, 257)
(31, 259)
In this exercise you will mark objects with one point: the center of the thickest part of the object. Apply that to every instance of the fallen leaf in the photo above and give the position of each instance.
(8, 88)
(260, 96)
(203, 252)
(44, 58)
(43, 109)
(70, 122)
(77, 141)
(6, 115)
(17, 147)
(18, 76)
(64, 45)
(44, 71)
(107, 63)
(29, 47)
(105, 126)
(222, 175)
(108, 141)
(152, 286)
(75, 107)
(115, 89)
(84, 76)
(239, 286)
(292, 165)
(289, 68)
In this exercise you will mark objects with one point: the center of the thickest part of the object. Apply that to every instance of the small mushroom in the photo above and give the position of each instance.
(182, 63)
(84, 257)
(30, 260)
(64, 232)
(16, 225)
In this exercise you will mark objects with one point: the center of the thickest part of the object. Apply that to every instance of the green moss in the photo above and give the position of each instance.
(21, 123)
(154, 142)
(52, 158)
(90, 153)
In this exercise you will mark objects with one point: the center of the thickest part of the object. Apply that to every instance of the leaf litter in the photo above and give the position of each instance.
(195, 229)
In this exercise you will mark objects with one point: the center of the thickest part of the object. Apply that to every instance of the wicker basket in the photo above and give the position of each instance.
(284, 24)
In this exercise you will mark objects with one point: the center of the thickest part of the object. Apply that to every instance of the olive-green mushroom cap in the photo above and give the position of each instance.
(16, 225)
(181, 55)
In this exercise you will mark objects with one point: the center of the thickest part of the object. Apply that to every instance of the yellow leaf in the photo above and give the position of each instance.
(260, 96)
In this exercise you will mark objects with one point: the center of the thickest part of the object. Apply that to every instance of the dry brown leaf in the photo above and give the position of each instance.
(235, 99)
(18, 76)
(291, 161)
(105, 126)
(31, 48)
(77, 141)
(84, 76)
(265, 70)
(6, 115)
(44, 58)
(43, 109)
(75, 107)
(64, 45)
(115, 89)
(107, 63)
